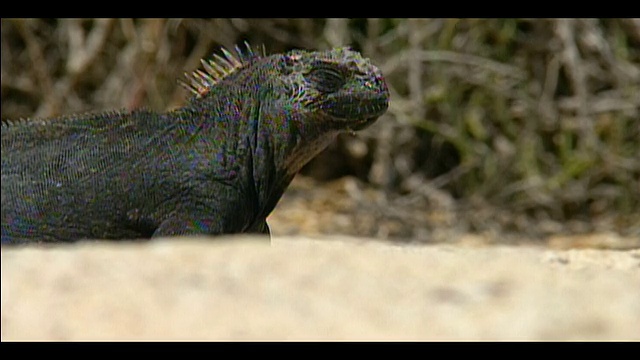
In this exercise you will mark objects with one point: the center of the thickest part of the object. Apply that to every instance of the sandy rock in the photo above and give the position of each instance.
(323, 288)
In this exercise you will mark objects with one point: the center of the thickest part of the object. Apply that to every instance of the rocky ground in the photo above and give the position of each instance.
(315, 286)
(318, 288)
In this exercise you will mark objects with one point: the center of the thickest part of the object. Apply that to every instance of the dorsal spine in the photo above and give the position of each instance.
(200, 82)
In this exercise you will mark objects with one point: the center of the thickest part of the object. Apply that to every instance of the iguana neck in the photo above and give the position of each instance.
(285, 143)
(272, 139)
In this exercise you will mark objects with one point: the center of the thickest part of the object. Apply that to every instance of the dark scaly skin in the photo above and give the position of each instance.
(218, 165)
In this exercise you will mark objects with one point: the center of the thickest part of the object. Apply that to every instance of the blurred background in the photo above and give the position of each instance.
(513, 128)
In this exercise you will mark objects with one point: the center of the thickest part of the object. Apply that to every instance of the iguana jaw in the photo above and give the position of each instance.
(357, 126)
(356, 113)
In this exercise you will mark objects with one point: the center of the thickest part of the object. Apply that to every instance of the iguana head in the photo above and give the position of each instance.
(338, 87)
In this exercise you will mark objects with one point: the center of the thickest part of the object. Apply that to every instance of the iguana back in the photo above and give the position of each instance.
(218, 165)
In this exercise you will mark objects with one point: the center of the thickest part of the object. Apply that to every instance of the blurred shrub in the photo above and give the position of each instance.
(537, 119)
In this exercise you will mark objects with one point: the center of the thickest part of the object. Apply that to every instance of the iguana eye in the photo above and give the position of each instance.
(326, 78)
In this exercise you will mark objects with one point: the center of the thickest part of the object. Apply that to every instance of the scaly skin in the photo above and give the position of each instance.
(218, 165)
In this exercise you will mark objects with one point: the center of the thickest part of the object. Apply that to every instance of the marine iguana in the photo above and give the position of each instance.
(217, 165)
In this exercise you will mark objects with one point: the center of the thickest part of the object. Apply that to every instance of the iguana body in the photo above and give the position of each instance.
(218, 165)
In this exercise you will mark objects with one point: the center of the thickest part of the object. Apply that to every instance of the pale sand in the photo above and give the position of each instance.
(305, 289)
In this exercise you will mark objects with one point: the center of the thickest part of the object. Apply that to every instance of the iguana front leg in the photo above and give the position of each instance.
(187, 224)
(206, 223)
(261, 228)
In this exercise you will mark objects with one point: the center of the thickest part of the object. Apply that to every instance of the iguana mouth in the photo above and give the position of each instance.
(356, 110)
(359, 125)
